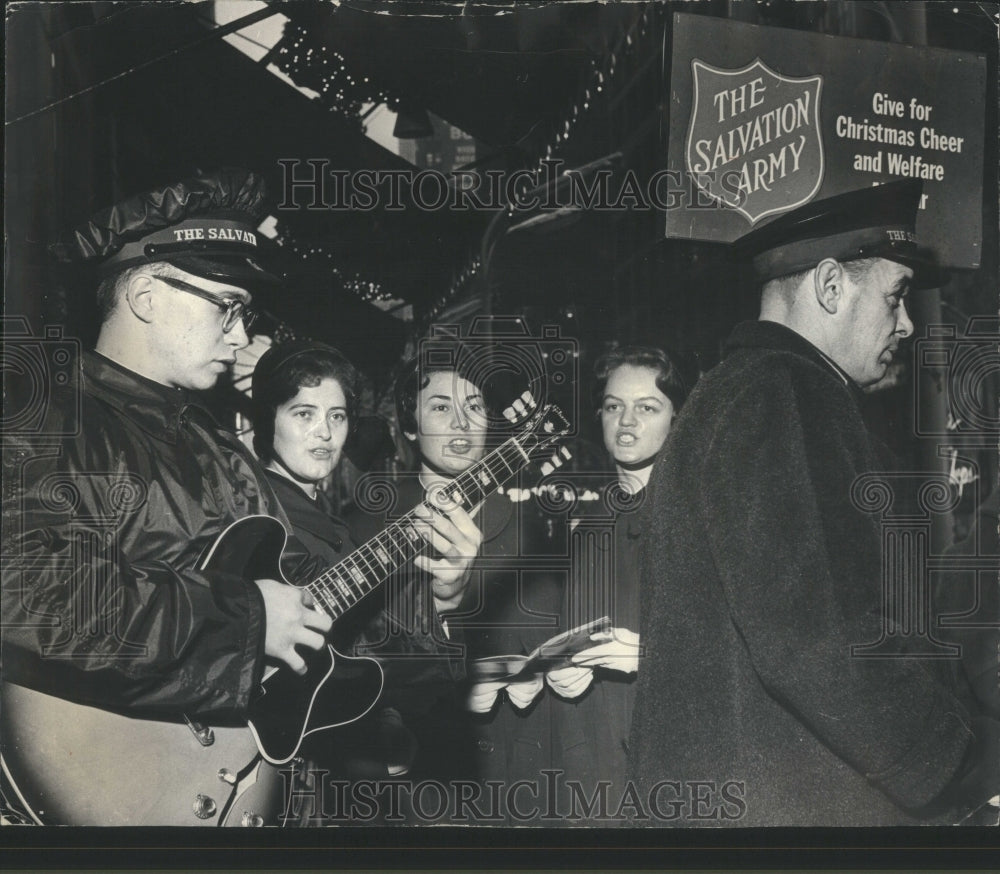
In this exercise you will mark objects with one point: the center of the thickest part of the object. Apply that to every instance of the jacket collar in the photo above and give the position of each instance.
(319, 518)
(153, 407)
(772, 335)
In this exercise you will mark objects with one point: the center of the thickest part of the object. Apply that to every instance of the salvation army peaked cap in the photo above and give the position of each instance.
(205, 225)
(874, 222)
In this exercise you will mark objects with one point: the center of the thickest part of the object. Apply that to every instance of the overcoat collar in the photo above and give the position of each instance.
(772, 335)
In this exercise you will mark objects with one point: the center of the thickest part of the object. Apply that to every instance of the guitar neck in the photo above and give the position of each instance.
(346, 583)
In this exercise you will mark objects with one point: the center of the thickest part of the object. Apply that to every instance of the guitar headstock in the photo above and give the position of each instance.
(540, 429)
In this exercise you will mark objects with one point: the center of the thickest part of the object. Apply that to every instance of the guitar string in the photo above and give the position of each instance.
(341, 583)
(345, 585)
(470, 476)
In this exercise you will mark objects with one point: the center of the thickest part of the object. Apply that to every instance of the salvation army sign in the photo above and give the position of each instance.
(754, 140)
(763, 120)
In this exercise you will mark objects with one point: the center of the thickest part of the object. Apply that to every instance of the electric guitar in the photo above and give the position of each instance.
(72, 764)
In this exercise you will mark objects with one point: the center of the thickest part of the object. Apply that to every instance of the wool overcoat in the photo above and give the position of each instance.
(760, 572)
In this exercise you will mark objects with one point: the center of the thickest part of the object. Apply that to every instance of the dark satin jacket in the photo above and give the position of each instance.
(103, 530)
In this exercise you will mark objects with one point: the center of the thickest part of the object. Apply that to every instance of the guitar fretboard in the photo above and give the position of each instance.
(346, 583)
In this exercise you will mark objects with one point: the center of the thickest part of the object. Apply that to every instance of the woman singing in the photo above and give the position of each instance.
(638, 391)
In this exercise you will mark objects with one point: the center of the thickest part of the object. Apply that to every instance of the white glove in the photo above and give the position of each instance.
(522, 693)
(571, 681)
(619, 651)
(482, 696)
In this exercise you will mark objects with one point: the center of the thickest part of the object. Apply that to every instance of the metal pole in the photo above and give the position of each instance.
(218, 33)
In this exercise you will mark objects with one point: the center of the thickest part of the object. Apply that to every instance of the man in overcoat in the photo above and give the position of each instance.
(760, 573)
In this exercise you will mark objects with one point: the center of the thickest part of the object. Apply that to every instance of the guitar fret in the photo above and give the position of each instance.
(367, 584)
(342, 590)
(392, 535)
(411, 542)
(510, 469)
(356, 573)
(471, 489)
(527, 458)
(518, 456)
(327, 598)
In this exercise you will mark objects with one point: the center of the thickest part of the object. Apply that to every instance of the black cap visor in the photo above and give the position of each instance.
(220, 262)
(926, 272)
(893, 244)
(237, 268)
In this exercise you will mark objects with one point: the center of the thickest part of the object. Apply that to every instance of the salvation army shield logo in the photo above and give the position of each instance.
(754, 141)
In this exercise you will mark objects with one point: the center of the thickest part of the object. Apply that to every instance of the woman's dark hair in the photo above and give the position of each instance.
(414, 376)
(282, 371)
(675, 377)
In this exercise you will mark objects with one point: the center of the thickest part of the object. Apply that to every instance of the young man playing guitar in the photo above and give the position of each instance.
(126, 660)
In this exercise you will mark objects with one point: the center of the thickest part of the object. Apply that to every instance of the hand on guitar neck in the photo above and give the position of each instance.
(451, 532)
(291, 620)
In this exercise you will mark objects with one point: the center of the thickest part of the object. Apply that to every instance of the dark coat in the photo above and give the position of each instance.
(967, 603)
(422, 660)
(758, 575)
(509, 607)
(512, 605)
(364, 749)
(593, 729)
(423, 680)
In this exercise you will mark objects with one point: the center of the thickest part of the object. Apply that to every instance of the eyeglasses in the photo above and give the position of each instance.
(234, 310)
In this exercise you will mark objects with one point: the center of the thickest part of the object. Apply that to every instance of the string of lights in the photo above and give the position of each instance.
(459, 284)
(367, 290)
(597, 87)
(311, 64)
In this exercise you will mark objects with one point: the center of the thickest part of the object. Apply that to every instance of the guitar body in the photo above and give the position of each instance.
(335, 690)
(70, 764)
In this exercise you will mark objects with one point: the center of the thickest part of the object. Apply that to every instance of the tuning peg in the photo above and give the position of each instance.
(519, 407)
(557, 459)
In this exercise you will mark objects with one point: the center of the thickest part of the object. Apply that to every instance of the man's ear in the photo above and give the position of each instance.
(828, 284)
(409, 435)
(139, 296)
